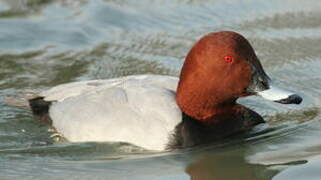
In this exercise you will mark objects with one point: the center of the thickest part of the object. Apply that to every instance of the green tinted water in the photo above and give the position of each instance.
(45, 43)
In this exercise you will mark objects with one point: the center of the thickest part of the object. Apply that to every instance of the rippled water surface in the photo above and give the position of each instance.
(47, 42)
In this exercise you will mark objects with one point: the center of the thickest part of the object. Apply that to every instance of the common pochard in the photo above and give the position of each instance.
(159, 112)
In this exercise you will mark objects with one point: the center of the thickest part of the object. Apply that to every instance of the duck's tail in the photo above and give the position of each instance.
(33, 102)
(40, 109)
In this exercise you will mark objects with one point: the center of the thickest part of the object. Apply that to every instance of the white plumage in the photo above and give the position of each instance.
(139, 109)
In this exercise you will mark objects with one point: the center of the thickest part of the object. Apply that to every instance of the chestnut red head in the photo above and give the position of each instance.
(219, 68)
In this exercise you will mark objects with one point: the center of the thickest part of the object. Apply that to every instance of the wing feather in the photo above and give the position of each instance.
(138, 109)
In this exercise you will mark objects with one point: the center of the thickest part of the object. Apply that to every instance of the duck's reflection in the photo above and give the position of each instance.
(226, 166)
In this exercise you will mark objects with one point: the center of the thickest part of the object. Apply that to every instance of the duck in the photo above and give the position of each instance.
(160, 112)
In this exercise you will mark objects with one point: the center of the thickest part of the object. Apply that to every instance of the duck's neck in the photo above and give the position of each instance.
(211, 114)
(204, 103)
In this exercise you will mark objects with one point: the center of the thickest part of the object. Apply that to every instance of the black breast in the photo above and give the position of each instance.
(191, 132)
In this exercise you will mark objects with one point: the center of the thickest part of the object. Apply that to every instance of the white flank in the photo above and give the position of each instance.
(138, 109)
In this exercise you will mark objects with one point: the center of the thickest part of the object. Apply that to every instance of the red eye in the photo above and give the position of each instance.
(228, 59)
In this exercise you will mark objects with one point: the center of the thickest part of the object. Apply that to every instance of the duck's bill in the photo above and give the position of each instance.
(280, 95)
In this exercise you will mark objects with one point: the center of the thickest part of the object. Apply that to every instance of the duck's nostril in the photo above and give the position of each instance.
(265, 84)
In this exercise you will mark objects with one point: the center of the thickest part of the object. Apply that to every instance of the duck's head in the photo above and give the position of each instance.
(220, 68)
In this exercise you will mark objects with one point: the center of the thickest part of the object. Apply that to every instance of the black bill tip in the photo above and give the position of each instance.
(293, 99)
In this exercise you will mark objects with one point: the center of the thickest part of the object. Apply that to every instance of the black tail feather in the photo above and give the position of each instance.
(40, 109)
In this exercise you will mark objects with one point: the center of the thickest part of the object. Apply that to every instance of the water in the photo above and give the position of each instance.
(45, 43)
